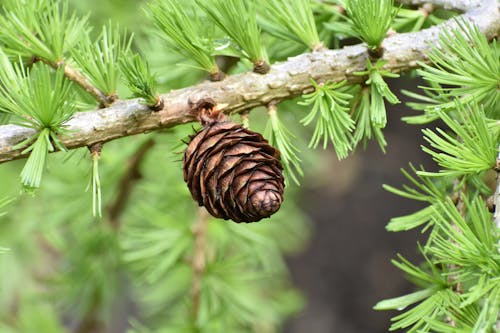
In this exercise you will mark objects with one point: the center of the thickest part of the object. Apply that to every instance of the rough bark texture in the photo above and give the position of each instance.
(245, 91)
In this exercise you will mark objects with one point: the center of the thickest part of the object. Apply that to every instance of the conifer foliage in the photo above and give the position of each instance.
(69, 260)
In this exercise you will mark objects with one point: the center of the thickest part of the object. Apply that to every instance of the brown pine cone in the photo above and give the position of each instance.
(233, 171)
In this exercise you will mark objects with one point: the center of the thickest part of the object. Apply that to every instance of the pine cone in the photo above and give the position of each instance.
(233, 171)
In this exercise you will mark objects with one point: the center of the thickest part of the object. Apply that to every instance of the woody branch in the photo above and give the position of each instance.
(246, 91)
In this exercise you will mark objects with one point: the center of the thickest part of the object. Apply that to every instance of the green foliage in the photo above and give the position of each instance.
(280, 137)
(94, 257)
(44, 29)
(242, 29)
(401, 19)
(139, 79)
(371, 20)
(183, 28)
(99, 60)
(3, 204)
(74, 266)
(292, 20)
(408, 20)
(466, 248)
(477, 255)
(412, 20)
(464, 68)
(36, 317)
(39, 100)
(462, 247)
(331, 108)
(378, 91)
(94, 266)
(425, 190)
(472, 148)
(366, 129)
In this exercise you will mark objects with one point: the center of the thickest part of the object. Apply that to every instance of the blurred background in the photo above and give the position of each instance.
(344, 267)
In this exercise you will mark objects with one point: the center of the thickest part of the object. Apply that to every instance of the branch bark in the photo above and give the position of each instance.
(246, 91)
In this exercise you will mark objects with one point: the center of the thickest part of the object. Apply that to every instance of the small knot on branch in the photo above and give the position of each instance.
(96, 149)
(208, 112)
(375, 53)
(261, 67)
(217, 76)
(159, 105)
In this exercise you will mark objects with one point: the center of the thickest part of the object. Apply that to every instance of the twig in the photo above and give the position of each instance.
(80, 79)
(95, 155)
(77, 77)
(199, 261)
(91, 323)
(131, 175)
(246, 91)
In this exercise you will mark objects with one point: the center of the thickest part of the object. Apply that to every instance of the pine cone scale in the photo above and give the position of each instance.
(233, 172)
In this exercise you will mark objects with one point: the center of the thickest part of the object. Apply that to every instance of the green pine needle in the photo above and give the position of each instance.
(242, 29)
(371, 19)
(330, 111)
(280, 137)
(432, 299)
(488, 317)
(419, 316)
(139, 79)
(424, 189)
(38, 99)
(379, 90)
(96, 186)
(465, 67)
(3, 204)
(408, 20)
(473, 148)
(478, 239)
(366, 129)
(292, 20)
(31, 175)
(99, 60)
(401, 302)
(44, 29)
(186, 33)
(429, 98)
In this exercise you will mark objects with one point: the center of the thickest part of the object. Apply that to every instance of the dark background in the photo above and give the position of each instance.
(346, 269)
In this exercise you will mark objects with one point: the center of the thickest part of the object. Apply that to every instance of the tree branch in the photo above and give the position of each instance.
(77, 77)
(198, 262)
(243, 92)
